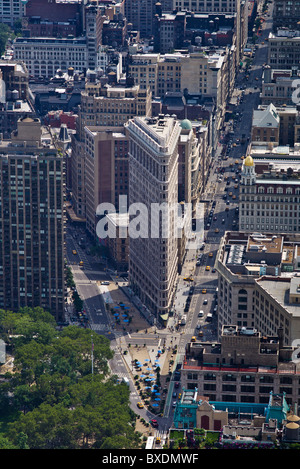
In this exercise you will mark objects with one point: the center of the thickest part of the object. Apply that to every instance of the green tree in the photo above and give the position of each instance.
(5, 32)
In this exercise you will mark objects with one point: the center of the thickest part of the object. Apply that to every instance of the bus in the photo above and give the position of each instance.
(150, 442)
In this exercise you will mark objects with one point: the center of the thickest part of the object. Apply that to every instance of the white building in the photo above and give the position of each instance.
(44, 56)
(153, 176)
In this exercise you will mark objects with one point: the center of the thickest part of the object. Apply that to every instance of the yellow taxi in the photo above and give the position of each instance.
(140, 405)
(157, 440)
(193, 339)
(188, 279)
(207, 267)
(81, 263)
(74, 252)
(210, 254)
(204, 290)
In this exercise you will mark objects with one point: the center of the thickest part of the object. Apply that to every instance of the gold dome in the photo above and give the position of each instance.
(293, 418)
(249, 161)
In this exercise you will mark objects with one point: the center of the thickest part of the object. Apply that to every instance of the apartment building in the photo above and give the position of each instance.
(221, 6)
(140, 13)
(286, 14)
(245, 366)
(106, 170)
(199, 73)
(265, 125)
(279, 87)
(14, 96)
(112, 105)
(153, 179)
(258, 274)
(283, 49)
(11, 11)
(275, 124)
(32, 222)
(102, 106)
(43, 56)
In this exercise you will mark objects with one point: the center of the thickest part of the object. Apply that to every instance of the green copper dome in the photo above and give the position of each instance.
(186, 124)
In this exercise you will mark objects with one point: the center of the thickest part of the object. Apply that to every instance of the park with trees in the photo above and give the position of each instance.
(59, 393)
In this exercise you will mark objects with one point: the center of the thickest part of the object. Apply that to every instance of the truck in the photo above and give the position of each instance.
(126, 380)
(183, 320)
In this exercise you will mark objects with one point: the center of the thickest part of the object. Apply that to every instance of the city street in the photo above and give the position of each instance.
(222, 191)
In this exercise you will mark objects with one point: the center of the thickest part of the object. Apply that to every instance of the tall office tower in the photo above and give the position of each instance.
(31, 221)
(153, 179)
(140, 13)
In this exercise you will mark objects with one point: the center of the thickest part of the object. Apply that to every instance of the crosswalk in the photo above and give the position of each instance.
(99, 327)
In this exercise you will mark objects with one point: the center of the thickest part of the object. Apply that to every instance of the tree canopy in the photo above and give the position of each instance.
(51, 399)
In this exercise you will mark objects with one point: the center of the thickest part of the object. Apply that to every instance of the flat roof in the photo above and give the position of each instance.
(265, 244)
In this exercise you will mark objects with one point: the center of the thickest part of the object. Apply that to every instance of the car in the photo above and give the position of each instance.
(205, 303)
(140, 405)
(154, 423)
(188, 279)
(207, 267)
(193, 339)
(211, 254)
(236, 186)
(217, 230)
(198, 326)
(215, 217)
(226, 210)
(223, 220)
(234, 196)
(174, 394)
(174, 404)
(213, 270)
(105, 282)
(74, 252)
(177, 384)
(204, 290)
(200, 333)
(230, 194)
